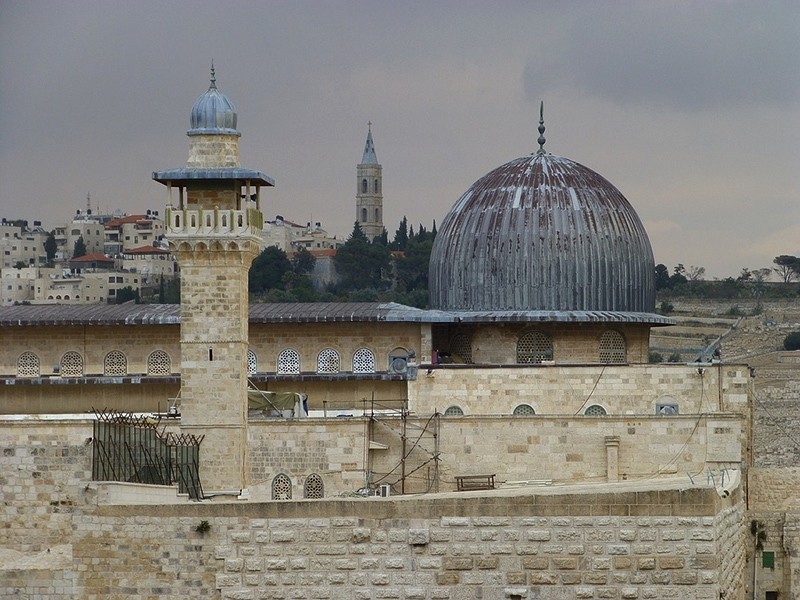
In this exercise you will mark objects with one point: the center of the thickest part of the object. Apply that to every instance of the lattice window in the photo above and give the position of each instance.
(612, 347)
(363, 361)
(281, 487)
(534, 347)
(461, 348)
(595, 410)
(328, 361)
(252, 363)
(28, 365)
(289, 361)
(313, 488)
(158, 363)
(454, 411)
(71, 365)
(524, 410)
(115, 363)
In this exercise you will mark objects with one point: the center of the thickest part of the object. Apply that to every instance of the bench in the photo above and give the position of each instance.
(474, 482)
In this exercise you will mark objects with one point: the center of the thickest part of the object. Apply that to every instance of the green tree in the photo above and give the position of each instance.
(268, 270)
(401, 236)
(50, 247)
(412, 268)
(361, 264)
(79, 248)
(303, 261)
(788, 267)
(127, 294)
(662, 276)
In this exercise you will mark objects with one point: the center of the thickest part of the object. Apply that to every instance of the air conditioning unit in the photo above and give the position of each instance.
(398, 364)
(384, 491)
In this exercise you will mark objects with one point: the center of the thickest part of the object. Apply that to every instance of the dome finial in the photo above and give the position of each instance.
(213, 85)
(541, 139)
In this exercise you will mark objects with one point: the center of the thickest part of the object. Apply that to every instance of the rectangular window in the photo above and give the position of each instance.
(771, 596)
(768, 560)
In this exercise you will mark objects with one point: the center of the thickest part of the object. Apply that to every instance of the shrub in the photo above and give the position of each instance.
(666, 307)
(792, 341)
(675, 357)
(655, 357)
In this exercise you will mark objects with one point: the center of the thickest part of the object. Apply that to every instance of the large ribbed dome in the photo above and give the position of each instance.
(542, 233)
(213, 112)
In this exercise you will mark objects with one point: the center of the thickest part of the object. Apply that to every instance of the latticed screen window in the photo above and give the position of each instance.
(328, 361)
(252, 363)
(28, 365)
(461, 348)
(595, 410)
(158, 363)
(612, 347)
(312, 488)
(363, 361)
(71, 365)
(289, 361)
(281, 487)
(115, 363)
(454, 411)
(524, 410)
(534, 347)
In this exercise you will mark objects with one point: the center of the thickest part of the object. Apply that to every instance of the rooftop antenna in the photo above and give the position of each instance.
(541, 139)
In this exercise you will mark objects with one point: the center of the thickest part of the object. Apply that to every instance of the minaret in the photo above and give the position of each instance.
(369, 191)
(213, 227)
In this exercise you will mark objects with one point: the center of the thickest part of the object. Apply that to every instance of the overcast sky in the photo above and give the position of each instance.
(691, 108)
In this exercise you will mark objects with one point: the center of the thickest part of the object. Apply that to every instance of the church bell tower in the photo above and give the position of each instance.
(369, 191)
(213, 226)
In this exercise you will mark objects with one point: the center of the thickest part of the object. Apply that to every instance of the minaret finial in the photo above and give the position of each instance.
(541, 139)
(369, 126)
(213, 76)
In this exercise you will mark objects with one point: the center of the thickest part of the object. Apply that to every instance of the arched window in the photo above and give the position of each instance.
(364, 186)
(252, 363)
(281, 487)
(158, 363)
(71, 365)
(524, 410)
(377, 215)
(363, 215)
(289, 361)
(313, 488)
(28, 365)
(328, 361)
(461, 348)
(612, 347)
(377, 187)
(115, 363)
(533, 347)
(595, 410)
(363, 361)
(453, 411)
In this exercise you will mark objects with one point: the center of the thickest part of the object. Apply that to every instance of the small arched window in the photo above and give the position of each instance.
(364, 186)
(71, 365)
(612, 347)
(252, 363)
(363, 361)
(281, 487)
(364, 215)
(524, 410)
(289, 361)
(28, 365)
(328, 361)
(313, 488)
(534, 347)
(595, 410)
(377, 187)
(454, 411)
(159, 363)
(377, 215)
(115, 364)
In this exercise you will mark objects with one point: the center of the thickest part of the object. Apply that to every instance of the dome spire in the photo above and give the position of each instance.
(541, 139)
(369, 157)
(213, 85)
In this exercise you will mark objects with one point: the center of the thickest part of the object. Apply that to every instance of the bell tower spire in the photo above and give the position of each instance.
(369, 190)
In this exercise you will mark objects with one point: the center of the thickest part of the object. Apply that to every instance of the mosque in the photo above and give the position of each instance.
(522, 401)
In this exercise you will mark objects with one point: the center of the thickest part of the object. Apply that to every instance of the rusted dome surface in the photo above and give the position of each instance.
(542, 232)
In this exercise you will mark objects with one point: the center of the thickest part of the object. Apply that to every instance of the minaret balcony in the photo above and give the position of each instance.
(192, 222)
